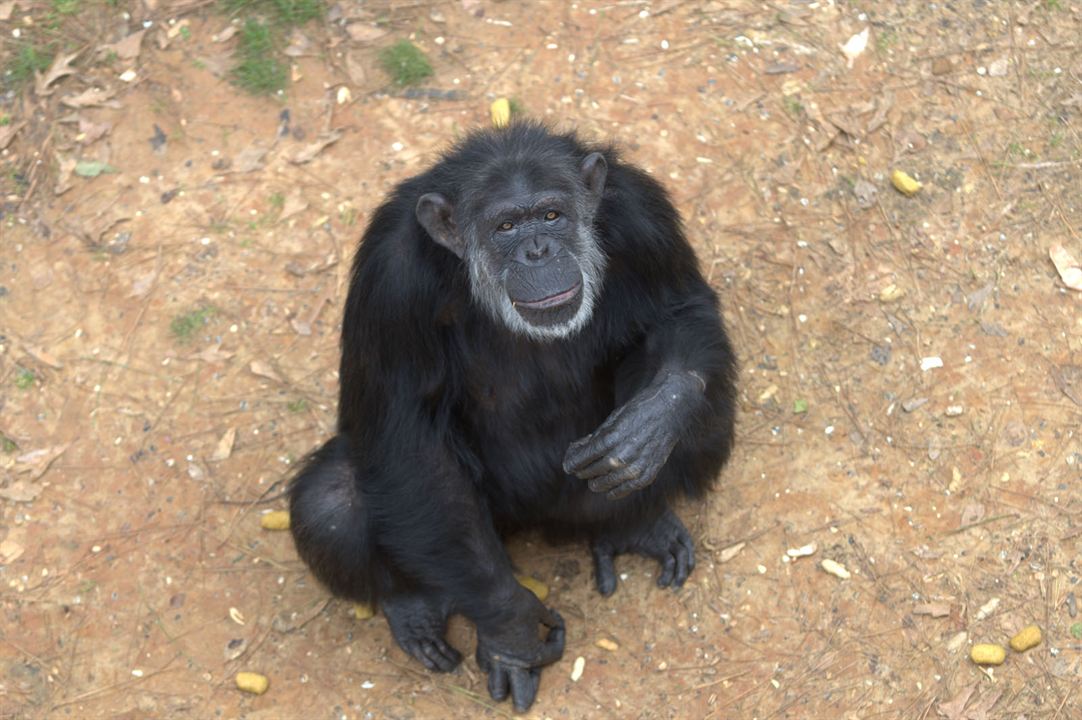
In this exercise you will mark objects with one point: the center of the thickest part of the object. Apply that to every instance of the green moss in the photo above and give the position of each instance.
(185, 326)
(259, 70)
(405, 63)
(24, 379)
(29, 59)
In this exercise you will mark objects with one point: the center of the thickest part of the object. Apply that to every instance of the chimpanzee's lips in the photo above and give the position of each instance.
(552, 300)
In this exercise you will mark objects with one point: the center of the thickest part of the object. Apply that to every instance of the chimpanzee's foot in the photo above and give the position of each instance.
(664, 539)
(418, 625)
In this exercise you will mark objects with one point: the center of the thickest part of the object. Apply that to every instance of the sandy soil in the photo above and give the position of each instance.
(135, 579)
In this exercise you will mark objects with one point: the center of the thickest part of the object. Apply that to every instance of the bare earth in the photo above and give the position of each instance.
(135, 579)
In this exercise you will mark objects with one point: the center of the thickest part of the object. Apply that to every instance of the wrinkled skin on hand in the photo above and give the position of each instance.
(512, 653)
(626, 453)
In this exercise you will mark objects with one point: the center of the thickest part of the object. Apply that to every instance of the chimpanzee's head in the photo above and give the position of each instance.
(522, 220)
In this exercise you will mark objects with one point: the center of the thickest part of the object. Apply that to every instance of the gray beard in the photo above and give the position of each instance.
(487, 290)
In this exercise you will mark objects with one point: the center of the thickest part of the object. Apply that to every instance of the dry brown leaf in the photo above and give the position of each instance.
(364, 32)
(21, 491)
(42, 357)
(228, 32)
(8, 132)
(129, 47)
(971, 513)
(91, 97)
(64, 174)
(954, 709)
(309, 151)
(936, 609)
(90, 132)
(1068, 378)
(264, 370)
(142, 284)
(355, 69)
(6, 8)
(249, 159)
(10, 551)
(299, 44)
(730, 552)
(1069, 269)
(294, 204)
(225, 445)
(212, 354)
(36, 462)
(61, 66)
(980, 709)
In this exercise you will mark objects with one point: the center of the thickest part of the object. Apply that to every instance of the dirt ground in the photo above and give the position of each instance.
(911, 385)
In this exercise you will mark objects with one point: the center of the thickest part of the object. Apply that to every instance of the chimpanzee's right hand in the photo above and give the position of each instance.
(513, 654)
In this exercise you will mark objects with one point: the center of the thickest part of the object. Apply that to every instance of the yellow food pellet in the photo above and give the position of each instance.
(252, 682)
(606, 644)
(1026, 638)
(501, 112)
(987, 654)
(276, 520)
(363, 611)
(905, 184)
(538, 588)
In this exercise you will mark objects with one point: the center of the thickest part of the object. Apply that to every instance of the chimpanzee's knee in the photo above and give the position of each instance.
(329, 522)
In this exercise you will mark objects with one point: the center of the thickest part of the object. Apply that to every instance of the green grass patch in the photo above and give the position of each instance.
(280, 13)
(29, 59)
(259, 68)
(24, 379)
(66, 7)
(7, 445)
(185, 326)
(296, 406)
(405, 63)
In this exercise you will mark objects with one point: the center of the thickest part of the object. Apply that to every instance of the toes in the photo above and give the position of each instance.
(417, 650)
(604, 572)
(524, 684)
(440, 656)
(682, 566)
(498, 682)
(668, 570)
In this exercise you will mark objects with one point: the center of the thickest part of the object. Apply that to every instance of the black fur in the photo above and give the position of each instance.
(453, 430)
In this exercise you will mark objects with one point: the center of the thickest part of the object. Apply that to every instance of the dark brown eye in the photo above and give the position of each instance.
(551, 215)
(505, 226)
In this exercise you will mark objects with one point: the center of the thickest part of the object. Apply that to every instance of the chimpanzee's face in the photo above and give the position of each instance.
(526, 235)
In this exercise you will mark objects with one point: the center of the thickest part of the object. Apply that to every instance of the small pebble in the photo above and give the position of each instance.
(987, 654)
(930, 363)
(954, 410)
(606, 644)
(251, 682)
(802, 551)
(576, 670)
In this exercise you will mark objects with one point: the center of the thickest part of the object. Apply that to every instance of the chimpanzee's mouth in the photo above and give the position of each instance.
(552, 300)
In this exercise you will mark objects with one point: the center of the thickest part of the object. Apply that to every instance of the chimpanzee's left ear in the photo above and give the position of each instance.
(593, 172)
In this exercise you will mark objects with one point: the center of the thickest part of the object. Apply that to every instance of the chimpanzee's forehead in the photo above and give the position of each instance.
(522, 178)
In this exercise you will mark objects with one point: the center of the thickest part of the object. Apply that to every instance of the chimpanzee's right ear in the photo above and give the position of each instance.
(434, 214)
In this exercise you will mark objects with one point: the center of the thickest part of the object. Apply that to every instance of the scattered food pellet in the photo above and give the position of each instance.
(835, 568)
(275, 520)
(988, 654)
(606, 644)
(251, 682)
(576, 670)
(538, 588)
(954, 410)
(930, 363)
(891, 293)
(501, 112)
(802, 551)
(1028, 637)
(904, 183)
(363, 611)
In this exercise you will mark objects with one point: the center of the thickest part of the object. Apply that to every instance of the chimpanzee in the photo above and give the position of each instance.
(528, 342)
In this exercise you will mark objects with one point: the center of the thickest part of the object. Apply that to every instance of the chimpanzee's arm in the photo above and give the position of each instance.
(671, 380)
(432, 526)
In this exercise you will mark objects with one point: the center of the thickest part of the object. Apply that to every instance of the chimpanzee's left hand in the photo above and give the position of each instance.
(626, 453)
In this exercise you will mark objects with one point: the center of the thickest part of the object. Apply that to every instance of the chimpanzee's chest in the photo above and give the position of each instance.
(523, 413)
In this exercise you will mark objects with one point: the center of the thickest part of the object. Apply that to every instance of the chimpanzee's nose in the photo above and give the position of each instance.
(537, 248)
